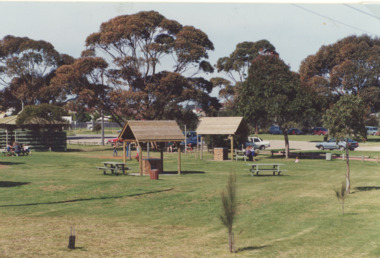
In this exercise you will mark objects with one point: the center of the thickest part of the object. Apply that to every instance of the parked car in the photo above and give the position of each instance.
(191, 138)
(333, 144)
(371, 130)
(319, 131)
(275, 129)
(295, 131)
(111, 141)
(257, 143)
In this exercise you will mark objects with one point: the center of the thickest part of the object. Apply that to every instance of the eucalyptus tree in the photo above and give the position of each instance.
(26, 69)
(235, 67)
(350, 66)
(151, 67)
(271, 89)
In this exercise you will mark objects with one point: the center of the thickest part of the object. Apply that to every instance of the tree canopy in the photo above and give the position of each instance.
(273, 91)
(136, 80)
(41, 114)
(236, 67)
(349, 66)
(26, 68)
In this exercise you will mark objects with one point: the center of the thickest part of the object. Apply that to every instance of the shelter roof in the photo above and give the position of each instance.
(10, 121)
(151, 131)
(221, 126)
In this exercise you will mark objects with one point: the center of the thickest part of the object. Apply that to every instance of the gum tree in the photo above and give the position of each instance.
(274, 90)
(152, 69)
(26, 69)
(236, 67)
(349, 66)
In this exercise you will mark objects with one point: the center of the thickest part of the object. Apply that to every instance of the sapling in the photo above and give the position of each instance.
(341, 194)
(229, 209)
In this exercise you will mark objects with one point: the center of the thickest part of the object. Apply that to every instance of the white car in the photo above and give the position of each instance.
(371, 130)
(257, 143)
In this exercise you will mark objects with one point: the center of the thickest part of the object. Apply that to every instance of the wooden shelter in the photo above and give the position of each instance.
(151, 131)
(230, 126)
(40, 134)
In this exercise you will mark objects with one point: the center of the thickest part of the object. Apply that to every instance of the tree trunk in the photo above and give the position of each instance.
(231, 242)
(287, 149)
(348, 185)
(256, 129)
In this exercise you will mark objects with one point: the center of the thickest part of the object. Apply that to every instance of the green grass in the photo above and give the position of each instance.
(294, 215)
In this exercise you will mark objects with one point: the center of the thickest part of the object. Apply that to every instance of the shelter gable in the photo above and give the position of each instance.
(222, 126)
(152, 131)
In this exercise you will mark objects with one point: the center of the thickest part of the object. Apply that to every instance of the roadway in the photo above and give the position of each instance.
(274, 144)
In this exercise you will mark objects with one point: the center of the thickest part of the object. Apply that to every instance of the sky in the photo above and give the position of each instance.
(296, 30)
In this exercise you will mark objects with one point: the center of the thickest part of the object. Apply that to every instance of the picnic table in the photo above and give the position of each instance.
(114, 167)
(240, 154)
(4, 151)
(260, 167)
(11, 152)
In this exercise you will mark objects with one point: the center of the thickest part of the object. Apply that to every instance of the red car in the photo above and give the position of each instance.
(320, 131)
(111, 141)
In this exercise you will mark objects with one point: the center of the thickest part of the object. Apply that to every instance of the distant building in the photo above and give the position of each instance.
(267, 52)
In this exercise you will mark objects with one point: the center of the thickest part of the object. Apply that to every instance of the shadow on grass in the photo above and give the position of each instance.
(88, 150)
(12, 184)
(268, 174)
(250, 248)
(8, 163)
(367, 188)
(182, 172)
(87, 199)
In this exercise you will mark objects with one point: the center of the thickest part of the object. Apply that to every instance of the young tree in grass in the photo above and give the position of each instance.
(229, 208)
(341, 195)
(346, 119)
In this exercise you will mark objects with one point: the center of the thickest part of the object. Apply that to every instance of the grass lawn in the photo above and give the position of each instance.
(293, 215)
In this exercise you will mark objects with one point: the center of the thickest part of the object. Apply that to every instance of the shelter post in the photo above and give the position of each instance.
(201, 147)
(232, 147)
(129, 151)
(162, 157)
(124, 152)
(179, 160)
(140, 159)
(197, 147)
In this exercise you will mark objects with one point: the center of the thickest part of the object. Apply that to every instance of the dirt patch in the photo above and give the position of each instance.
(2, 166)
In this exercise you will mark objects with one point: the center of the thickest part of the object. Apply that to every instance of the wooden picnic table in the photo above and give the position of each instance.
(114, 167)
(260, 167)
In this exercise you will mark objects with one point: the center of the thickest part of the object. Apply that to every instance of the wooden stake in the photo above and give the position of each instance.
(71, 239)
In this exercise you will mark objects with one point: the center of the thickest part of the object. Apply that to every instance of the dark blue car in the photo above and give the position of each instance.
(295, 131)
(191, 138)
(274, 129)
